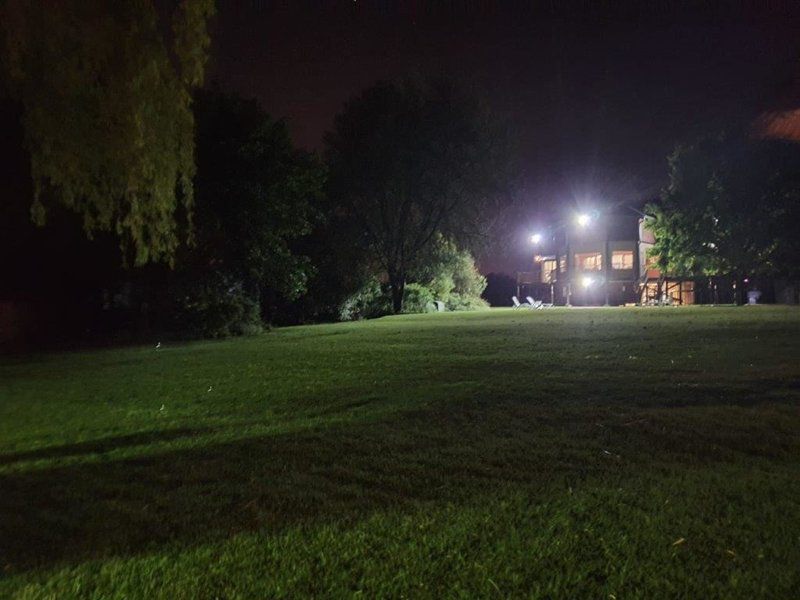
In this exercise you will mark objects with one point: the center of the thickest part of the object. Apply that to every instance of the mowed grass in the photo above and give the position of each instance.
(597, 453)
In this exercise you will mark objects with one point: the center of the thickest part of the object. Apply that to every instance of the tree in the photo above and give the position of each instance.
(256, 194)
(730, 209)
(107, 112)
(450, 274)
(408, 161)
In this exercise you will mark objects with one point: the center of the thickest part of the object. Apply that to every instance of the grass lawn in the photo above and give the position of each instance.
(597, 453)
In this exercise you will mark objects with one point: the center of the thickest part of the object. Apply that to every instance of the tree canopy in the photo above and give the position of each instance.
(256, 193)
(107, 114)
(732, 207)
(410, 160)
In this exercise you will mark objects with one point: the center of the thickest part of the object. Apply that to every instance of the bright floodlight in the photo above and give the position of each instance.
(583, 219)
(536, 238)
(587, 281)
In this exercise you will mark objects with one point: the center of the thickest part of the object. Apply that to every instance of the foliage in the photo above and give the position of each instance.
(216, 306)
(445, 273)
(107, 112)
(730, 209)
(368, 302)
(468, 285)
(418, 299)
(413, 457)
(458, 301)
(409, 161)
(451, 275)
(255, 196)
(342, 270)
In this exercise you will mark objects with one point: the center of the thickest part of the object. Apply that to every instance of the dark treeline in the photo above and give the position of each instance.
(382, 222)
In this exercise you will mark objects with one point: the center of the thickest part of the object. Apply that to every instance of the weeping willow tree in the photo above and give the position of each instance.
(106, 92)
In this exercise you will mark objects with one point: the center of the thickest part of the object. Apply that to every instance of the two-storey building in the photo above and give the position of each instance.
(600, 259)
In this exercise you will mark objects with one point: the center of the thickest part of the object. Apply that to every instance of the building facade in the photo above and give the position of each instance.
(600, 260)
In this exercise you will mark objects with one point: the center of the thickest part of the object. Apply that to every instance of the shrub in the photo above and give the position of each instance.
(458, 301)
(217, 307)
(417, 299)
(451, 276)
(368, 302)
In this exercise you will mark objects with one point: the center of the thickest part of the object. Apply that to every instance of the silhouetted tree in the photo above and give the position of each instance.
(731, 208)
(408, 161)
(256, 194)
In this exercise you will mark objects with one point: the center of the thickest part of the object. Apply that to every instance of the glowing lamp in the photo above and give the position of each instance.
(587, 281)
(584, 219)
(536, 238)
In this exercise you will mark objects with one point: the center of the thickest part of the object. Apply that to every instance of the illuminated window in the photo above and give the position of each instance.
(548, 269)
(562, 263)
(589, 261)
(622, 259)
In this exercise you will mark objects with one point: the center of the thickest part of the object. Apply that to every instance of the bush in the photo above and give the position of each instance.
(451, 276)
(217, 307)
(458, 301)
(418, 299)
(368, 302)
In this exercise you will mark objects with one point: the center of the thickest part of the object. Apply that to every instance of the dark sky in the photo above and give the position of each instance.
(597, 92)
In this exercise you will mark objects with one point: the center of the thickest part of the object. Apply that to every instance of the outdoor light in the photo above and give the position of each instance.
(536, 238)
(583, 219)
(587, 281)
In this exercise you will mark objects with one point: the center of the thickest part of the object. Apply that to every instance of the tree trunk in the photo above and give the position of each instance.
(397, 283)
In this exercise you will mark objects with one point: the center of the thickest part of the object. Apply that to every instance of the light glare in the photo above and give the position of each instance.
(583, 220)
(536, 238)
(587, 281)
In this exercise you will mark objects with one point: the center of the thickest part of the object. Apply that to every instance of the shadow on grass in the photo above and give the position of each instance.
(102, 445)
(68, 514)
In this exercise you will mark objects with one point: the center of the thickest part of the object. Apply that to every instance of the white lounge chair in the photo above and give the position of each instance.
(534, 304)
(518, 304)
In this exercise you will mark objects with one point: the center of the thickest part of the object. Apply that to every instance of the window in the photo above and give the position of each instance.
(548, 269)
(589, 261)
(622, 259)
(562, 263)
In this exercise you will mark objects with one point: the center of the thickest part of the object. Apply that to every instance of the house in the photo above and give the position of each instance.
(601, 259)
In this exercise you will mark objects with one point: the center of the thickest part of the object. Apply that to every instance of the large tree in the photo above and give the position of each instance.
(410, 160)
(256, 194)
(106, 95)
(731, 208)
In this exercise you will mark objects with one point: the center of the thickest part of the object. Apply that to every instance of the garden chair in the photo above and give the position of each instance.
(535, 304)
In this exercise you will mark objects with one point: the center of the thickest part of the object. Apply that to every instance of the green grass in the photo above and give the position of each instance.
(599, 453)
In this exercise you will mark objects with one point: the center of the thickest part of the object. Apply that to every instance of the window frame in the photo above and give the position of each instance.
(581, 257)
(616, 253)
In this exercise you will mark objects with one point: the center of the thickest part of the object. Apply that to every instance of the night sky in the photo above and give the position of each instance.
(597, 93)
